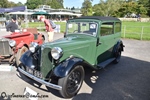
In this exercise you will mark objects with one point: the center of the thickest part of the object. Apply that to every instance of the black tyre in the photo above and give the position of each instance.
(72, 83)
(20, 53)
(117, 55)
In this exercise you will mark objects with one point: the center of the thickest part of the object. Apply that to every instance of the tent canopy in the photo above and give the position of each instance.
(40, 13)
(13, 9)
(20, 13)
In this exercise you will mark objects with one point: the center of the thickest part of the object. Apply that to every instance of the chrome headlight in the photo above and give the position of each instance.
(56, 53)
(33, 47)
(12, 43)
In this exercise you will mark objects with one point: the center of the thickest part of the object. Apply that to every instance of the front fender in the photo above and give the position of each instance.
(65, 67)
(27, 59)
(20, 45)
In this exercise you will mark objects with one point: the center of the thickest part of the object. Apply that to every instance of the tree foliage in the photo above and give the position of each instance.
(73, 8)
(146, 4)
(7, 4)
(121, 8)
(32, 4)
(56, 4)
(143, 2)
(106, 7)
(87, 8)
(148, 9)
(19, 4)
(4, 3)
(97, 10)
(118, 8)
(129, 8)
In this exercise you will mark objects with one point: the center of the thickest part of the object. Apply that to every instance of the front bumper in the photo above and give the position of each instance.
(57, 87)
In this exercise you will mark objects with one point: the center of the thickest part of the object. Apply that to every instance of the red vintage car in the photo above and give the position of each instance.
(14, 45)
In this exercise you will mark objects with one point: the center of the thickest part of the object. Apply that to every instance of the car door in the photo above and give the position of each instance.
(106, 42)
(117, 31)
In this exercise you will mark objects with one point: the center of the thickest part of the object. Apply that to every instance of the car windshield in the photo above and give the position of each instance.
(88, 28)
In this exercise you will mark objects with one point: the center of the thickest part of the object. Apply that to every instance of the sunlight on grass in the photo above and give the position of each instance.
(132, 30)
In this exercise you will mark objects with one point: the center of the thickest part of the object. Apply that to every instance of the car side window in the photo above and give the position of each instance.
(117, 27)
(107, 28)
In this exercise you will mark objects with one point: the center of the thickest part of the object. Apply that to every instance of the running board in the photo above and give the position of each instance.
(105, 63)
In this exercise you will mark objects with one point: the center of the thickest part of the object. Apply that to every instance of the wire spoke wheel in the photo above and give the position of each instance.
(19, 54)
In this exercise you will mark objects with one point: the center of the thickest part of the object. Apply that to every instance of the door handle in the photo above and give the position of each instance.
(99, 43)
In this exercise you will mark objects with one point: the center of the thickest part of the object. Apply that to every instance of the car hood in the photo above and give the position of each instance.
(70, 41)
(79, 46)
(17, 35)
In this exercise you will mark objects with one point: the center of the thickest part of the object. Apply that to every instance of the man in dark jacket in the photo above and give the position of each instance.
(12, 26)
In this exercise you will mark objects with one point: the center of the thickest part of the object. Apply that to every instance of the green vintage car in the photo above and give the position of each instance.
(89, 42)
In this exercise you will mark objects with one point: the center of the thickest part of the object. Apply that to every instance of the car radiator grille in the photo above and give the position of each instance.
(46, 64)
(4, 48)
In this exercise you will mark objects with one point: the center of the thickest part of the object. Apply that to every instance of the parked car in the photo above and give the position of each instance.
(89, 42)
(14, 45)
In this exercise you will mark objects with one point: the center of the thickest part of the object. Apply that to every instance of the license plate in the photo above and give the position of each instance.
(29, 70)
(34, 72)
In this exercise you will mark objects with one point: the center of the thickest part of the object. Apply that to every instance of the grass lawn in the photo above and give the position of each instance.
(136, 30)
(133, 30)
(41, 24)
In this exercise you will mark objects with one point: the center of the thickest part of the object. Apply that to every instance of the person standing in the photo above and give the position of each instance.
(139, 17)
(49, 28)
(12, 26)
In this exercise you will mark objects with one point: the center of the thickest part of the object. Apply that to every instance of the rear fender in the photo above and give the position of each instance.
(65, 67)
(119, 44)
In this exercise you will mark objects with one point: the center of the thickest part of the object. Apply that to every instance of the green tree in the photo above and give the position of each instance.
(72, 8)
(148, 9)
(86, 8)
(12, 4)
(4, 3)
(146, 4)
(97, 10)
(131, 7)
(107, 7)
(19, 4)
(7, 4)
(56, 4)
(32, 4)
(61, 3)
(130, 0)
(143, 2)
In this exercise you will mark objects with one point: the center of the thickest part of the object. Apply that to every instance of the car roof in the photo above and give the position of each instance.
(102, 18)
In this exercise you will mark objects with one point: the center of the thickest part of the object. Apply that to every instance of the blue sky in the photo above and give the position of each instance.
(77, 3)
(67, 3)
(16, 1)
